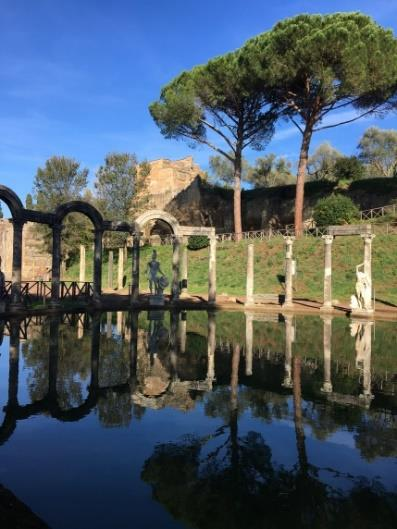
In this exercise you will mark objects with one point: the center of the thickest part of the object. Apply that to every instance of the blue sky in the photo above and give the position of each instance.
(76, 77)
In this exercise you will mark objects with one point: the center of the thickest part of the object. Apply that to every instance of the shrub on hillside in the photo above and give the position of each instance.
(335, 209)
(196, 242)
(348, 168)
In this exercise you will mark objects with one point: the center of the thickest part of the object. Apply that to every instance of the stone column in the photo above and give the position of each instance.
(368, 238)
(82, 264)
(120, 273)
(56, 263)
(16, 300)
(175, 269)
(327, 303)
(135, 266)
(184, 268)
(327, 336)
(211, 347)
(109, 325)
(212, 271)
(250, 276)
(289, 340)
(98, 235)
(289, 271)
(249, 338)
(119, 324)
(110, 269)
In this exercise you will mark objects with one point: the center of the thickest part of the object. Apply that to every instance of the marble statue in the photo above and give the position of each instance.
(362, 299)
(157, 279)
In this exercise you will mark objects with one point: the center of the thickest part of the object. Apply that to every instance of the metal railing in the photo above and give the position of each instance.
(41, 290)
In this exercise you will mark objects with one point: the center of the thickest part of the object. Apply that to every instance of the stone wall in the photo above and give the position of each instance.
(36, 263)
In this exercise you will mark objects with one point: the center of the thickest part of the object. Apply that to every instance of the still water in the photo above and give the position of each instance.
(177, 420)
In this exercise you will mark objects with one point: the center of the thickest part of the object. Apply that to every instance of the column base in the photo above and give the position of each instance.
(287, 383)
(288, 306)
(327, 387)
(16, 306)
(327, 308)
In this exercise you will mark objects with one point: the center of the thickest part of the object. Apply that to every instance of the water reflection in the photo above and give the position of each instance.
(256, 377)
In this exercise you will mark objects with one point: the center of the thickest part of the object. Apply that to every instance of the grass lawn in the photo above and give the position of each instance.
(347, 252)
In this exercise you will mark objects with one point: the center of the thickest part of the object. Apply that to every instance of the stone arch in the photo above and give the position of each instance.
(13, 202)
(78, 206)
(157, 214)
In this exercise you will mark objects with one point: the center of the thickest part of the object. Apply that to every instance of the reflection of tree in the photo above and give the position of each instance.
(229, 480)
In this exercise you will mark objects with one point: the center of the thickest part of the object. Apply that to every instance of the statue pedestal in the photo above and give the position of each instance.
(156, 299)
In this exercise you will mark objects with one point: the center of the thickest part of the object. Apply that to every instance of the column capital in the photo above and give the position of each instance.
(18, 222)
(289, 239)
(328, 239)
(368, 237)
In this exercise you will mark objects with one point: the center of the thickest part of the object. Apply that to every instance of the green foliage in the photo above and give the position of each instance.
(321, 163)
(114, 185)
(29, 201)
(378, 150)
(1, 212)
(141, 199)
(197, 242)
(61, 180)
(348, 168)
(270, 171)
(222, 170)
(335, 209)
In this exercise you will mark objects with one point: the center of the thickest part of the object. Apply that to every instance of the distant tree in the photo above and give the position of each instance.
(141, 200)
(59, 181)
(321, 163)
(378, 150)
(271, 171)
(222, 170)
(316, 65)
(29, 201)
(114, 185)
(219, 106)
(349, 168)
(1, 212)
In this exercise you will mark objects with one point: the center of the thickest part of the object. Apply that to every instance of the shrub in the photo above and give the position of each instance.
(335, 209)
(196, 242)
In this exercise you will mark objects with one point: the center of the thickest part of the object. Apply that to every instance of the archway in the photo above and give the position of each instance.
(95, 217)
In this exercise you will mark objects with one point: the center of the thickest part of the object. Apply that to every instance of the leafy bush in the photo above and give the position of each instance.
(196, 242)
(349, 168)
(335, 209)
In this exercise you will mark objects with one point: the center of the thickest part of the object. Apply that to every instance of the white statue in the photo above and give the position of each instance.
(157, 279)
(362, 299)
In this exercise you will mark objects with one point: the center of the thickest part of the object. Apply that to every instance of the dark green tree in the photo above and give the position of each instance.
(115, 184)
(219, 106)
(378, 150)
(59, 181)
(348, 168)
(316, 65)
(270, 171)
(335, 209)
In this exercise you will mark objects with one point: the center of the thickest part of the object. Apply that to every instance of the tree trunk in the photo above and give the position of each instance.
(300, 179)
(238, 227)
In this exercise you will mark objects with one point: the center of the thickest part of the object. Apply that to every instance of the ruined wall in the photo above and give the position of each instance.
(35, 261)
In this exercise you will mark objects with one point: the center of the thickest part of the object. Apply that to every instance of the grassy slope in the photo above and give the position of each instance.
(231, 267)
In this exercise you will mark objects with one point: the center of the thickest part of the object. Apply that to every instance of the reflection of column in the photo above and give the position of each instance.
(174, 321)
(368, 264)
(80, 327)
(289, 340)
(298, 418)
(249, 336)
(327, 336)
(184, 269)
(211, 346)
(175, 268)
(98, 263)
(16, 263)
(110, 269)
(212, 271)
(56, 263)
(135, 267)
(13, 374)
(119, 324)
(182, 332)
(250, 275)
(95, 346)
(82, 264)
(109, 325)
(120, 273)
(133, 348)
(289, 270)
(327, 303)
(53, 357)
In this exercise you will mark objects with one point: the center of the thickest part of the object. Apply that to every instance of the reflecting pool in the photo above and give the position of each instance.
(197, 420)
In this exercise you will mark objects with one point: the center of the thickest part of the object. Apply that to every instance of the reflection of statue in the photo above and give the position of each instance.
(157, 280)
(362, 299)
(361, 331)
(2, 282)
